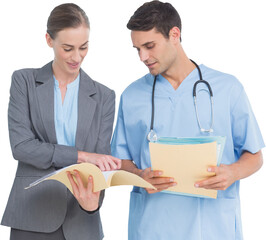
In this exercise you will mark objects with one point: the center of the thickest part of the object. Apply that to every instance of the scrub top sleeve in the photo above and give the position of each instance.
(119, 147)
(245, 130)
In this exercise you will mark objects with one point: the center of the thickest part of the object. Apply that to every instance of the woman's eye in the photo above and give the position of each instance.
(83, 48)
(67, 49)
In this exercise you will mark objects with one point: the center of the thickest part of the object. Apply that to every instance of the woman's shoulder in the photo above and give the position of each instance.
(31, 74)
(25, 73)
(94, 85)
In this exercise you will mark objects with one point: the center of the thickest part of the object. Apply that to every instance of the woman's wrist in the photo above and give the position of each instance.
(86, 157)
(81, 157)
(90, 211)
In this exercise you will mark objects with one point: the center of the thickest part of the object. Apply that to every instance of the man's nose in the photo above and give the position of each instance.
(143, 55)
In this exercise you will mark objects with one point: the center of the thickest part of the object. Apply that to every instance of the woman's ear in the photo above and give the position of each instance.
(49, 40)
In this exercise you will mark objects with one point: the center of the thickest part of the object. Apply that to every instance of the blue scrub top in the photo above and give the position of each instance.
(66, 113)
(167, 216)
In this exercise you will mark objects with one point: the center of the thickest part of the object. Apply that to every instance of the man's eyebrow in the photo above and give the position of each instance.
(144, 44)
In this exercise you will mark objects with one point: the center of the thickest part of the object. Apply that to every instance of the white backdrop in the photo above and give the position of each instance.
(226, 35)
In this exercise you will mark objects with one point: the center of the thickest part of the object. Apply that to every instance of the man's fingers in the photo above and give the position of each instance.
(209, 181)
(157, 173)
(165, 185)
(213, 169)
(161, 187)
(216, 186)
(149, 190)
(148, 173)
(161, 180)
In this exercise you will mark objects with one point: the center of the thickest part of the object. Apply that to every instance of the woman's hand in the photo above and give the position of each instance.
(87, 199)
(104, 162)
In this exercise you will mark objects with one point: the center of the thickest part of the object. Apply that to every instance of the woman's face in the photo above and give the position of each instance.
(70, 48)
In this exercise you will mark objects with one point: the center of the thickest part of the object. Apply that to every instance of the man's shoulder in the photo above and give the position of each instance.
(142, 84)
(218, 77)
(211, 73)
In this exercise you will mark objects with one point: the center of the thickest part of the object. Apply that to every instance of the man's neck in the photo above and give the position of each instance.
(178, 72)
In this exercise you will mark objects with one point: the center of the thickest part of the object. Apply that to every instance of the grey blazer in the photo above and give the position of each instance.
(47, 206)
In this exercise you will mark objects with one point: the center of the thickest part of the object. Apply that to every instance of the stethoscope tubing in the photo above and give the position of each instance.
(152, 135)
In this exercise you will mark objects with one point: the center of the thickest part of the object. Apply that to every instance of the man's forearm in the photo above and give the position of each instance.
(247, 164)
(129, 166)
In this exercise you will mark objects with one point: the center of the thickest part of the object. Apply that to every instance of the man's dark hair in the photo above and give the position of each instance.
(155, 14)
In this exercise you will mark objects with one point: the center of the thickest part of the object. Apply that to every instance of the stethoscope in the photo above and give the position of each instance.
(152, 136)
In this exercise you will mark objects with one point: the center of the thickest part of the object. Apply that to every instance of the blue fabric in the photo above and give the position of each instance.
(163, 216)
(66, 113)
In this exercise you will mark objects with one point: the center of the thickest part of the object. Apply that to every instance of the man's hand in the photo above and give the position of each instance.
(154, 177)
(225, 176)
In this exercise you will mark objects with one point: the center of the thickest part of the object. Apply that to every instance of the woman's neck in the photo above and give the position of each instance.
(63, 77)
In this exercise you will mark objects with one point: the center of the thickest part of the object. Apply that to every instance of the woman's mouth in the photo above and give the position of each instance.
(73, 65)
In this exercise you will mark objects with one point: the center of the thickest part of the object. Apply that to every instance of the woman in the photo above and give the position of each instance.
(58, 116)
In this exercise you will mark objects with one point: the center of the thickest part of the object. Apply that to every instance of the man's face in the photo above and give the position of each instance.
(155, 51)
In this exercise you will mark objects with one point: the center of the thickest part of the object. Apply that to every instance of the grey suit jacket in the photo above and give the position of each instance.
(49, 205)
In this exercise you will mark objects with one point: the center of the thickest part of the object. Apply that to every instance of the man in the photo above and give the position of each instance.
(156, 34)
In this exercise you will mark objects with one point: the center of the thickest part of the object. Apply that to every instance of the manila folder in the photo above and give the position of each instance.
(187, 164)
(101, 180)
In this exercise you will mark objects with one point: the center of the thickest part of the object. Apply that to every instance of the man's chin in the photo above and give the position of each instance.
(154, 72)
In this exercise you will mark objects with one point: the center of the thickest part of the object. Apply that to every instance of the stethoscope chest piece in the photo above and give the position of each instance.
(152, 136)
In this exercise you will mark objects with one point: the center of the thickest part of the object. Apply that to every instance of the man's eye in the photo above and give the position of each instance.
(150, 46)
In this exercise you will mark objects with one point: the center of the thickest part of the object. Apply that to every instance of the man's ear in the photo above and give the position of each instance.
(49, 40)
(175, 34)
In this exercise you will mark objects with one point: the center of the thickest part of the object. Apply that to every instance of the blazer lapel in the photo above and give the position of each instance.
(86, 109)
(45, 95)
